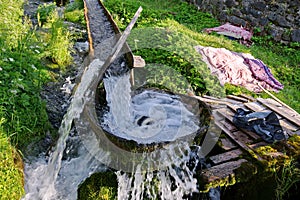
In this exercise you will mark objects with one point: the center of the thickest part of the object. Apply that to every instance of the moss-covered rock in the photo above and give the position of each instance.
(100, 186)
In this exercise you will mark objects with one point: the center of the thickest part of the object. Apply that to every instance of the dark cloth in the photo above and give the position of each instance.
(265, 124)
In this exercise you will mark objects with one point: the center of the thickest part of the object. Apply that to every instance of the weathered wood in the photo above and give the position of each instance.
(242, 137)
(229, 125)
(269, 93)
(281, 111)
(241, 99)
(258, 144)
(138, 62)
(227, 156)
(248, 97)
(239, 143)
(221, 171)
(255, 106)
(285, 123)
(119, 45)
(226, 144)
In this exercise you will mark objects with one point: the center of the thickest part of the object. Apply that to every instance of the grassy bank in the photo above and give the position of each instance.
(28, 56)
(167, 31)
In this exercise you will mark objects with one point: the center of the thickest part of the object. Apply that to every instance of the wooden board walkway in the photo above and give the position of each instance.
(236, 141)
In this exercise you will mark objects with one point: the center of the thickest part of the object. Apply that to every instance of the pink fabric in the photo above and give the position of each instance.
(230, 67)
(231, 30)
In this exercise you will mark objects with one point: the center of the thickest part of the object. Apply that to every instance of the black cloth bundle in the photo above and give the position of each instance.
(265, 124)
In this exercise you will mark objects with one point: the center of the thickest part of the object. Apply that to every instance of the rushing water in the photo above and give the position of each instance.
(146, 117)
(55, 178)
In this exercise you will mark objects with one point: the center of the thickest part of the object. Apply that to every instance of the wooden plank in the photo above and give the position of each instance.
(250, 98)
(226, 144)
(278, 100)
(221, 171)
(242, 145)
(119, 45)
(258, 144)
(233, 102)
(242, 137)
(285, 123)
(281, 111)
(210, 97)
(240, 99)
(229, 125)
(229, 155)
(255, 106)
(273, 102)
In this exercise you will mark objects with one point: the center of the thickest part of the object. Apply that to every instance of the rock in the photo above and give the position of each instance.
(82, 47)
(286, 36)
(294, 3)
(263, 21)
(261, 6)
(281, 21)
(272, 16)
(295, 36)
(237, 21)
(276, 32)
(290, 18)
(237, 12)
(255, 13)
(230, 3)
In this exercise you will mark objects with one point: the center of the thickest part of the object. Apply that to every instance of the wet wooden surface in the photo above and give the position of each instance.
(235, 141)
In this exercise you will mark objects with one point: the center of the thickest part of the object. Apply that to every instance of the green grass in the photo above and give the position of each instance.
(25, 53)
(11, 175)
(167, 30)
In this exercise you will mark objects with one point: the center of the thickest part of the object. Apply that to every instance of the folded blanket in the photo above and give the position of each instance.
(239, 69)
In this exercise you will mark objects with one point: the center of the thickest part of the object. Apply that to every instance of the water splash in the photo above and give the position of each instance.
(174, 180)
(58, 179)
(147, 117)
(168, 175)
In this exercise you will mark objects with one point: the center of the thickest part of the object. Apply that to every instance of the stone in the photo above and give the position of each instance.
(223, 16)
(263, 21)
(82, 47)
(281, 21)
(286, 36)
(261, 6)
(255, 13)
(275, 32)
(237, 12)
(230, 3)
(237, 21)
(294, 3)
(272, 16)
(290, 18)
(295, 35)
